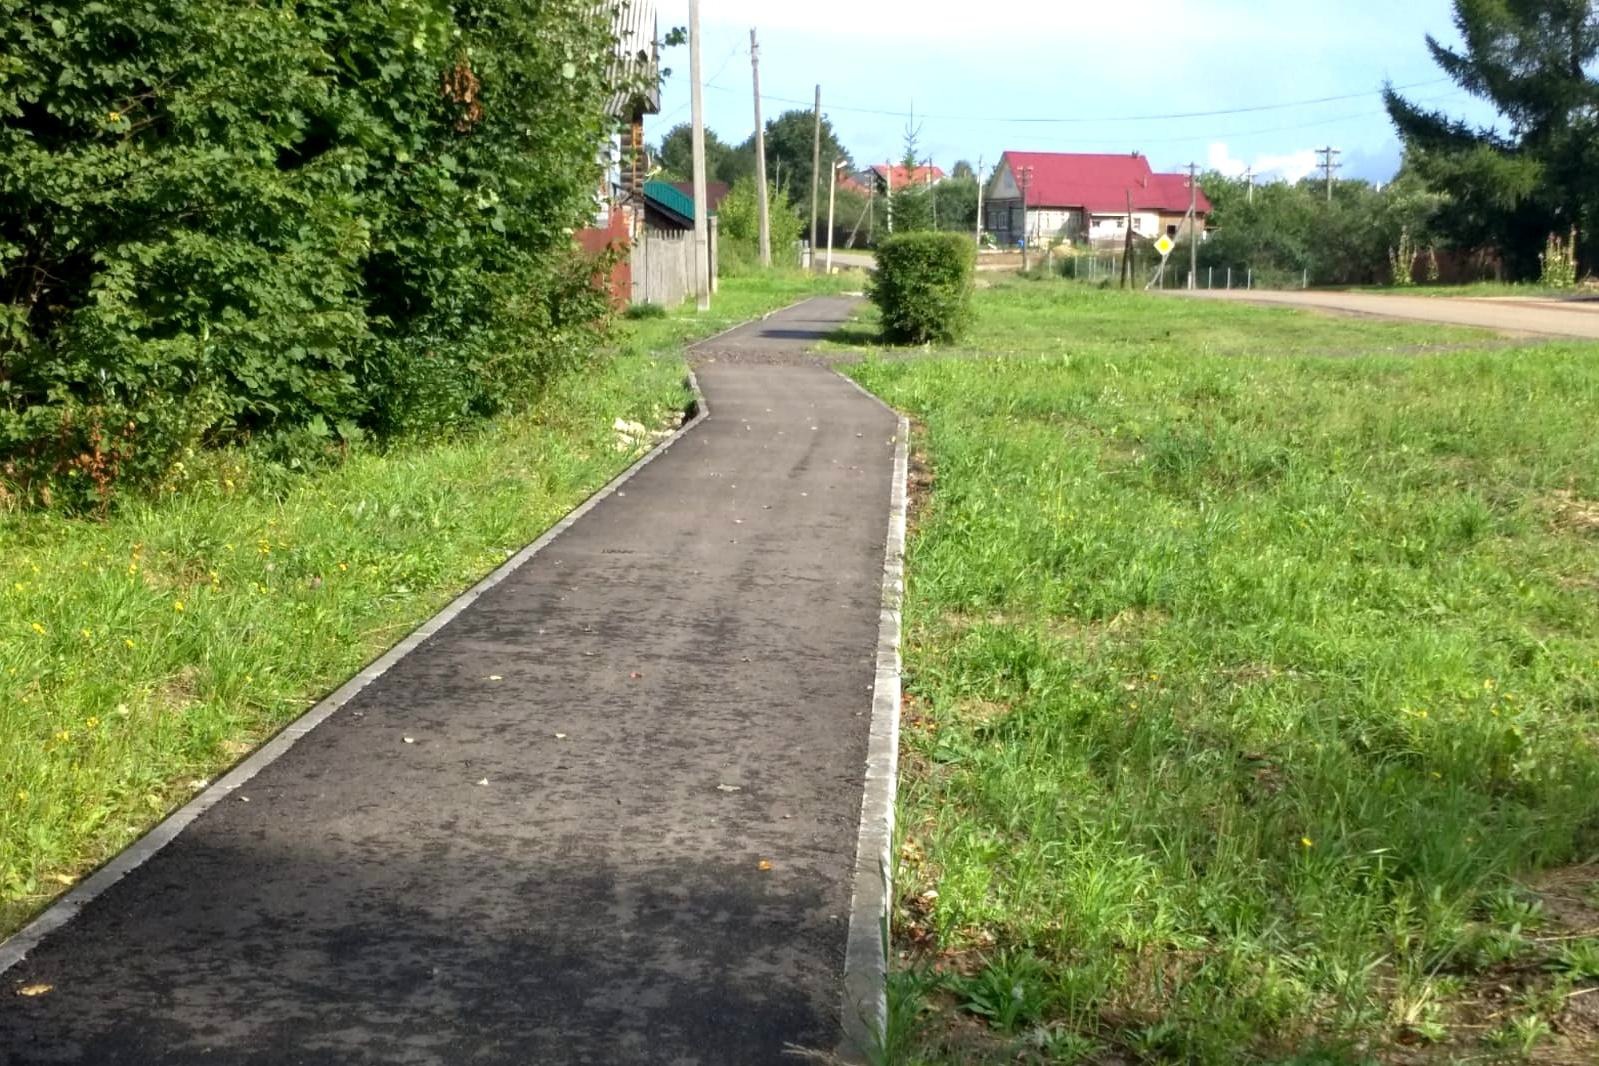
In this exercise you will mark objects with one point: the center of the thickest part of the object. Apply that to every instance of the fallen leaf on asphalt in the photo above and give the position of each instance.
(560, 736)
(484, 781)
(35, 990)
(409, 740)
(635, 675)
(728, 788)
(496, 677)
(764, 864)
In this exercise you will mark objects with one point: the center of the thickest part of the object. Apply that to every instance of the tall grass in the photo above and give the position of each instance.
(1253, 691)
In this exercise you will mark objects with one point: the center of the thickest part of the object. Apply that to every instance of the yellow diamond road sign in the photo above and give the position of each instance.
(1164, 245)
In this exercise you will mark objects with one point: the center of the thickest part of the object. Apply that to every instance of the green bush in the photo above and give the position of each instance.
(924, 286)
(739, 235)
(224, 221)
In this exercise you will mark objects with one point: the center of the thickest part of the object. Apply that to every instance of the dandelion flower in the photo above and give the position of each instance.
(38, 628)
(1306, 843)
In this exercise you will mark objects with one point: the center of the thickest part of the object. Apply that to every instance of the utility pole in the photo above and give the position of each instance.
(888, 194)
(1024, 178)
(871, 208)
(1330, 164)
(702, 232)
(832, 199)
(816, 166)
(1127, 244)
(760, 156)
(979, 201)
(1193, 225)
(1249, 180)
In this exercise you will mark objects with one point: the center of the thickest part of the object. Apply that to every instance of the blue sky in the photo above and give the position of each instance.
(971, 70)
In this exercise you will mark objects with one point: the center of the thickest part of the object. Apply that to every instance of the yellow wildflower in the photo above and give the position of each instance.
(91, 721)
(1306, 842)
(177, 605)
(128, 641)
(38, 628)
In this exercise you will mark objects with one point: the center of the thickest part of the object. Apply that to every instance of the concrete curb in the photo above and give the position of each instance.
(64, 909)
(865, 1005)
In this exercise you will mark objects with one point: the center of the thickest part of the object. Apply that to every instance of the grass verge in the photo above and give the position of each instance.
(1253, 691)
(1530, 290)
(141, 655)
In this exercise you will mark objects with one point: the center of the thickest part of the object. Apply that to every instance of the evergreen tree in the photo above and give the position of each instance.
(1533, 60)
(913, 202)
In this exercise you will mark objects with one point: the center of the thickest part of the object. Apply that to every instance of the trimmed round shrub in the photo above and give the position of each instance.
(923, 287)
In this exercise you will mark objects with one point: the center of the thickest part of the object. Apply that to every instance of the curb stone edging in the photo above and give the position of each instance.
(865, 1000)
(16, 948)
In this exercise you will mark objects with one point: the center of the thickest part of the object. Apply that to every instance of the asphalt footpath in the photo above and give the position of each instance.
(607, 814)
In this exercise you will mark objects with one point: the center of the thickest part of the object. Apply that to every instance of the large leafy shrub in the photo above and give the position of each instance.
(739, 228)
(923, 287)
(222, 220)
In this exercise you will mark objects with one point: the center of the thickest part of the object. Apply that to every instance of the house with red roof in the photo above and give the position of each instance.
(1085, 198)
(886, 178)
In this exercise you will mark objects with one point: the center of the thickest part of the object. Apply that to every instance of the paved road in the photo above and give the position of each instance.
(859, 260)
(1519, 316)
(600, 899)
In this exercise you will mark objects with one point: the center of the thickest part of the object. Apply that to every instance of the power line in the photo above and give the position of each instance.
(1231, 134)
(1081, 120)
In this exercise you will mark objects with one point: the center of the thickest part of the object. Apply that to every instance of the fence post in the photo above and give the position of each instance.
(1249, 283)
(1210, 278)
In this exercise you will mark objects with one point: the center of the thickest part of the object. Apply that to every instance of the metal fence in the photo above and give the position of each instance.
(1108, 268)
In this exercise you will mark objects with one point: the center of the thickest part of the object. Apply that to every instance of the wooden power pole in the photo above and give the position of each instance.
(1127, 244)
(1329, 165)
(1193, 225)
(816, 167)
(1024, 178)
(702, 224)
(979, 201)
(760, 157)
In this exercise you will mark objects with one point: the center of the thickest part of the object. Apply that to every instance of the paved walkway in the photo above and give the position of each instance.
(564, 864)
(1517, 315)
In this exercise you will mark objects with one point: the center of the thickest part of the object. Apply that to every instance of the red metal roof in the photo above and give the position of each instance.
(715, 192)
(1099, 184)
(903, 177)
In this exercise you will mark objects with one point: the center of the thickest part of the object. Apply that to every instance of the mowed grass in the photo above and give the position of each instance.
(1253, 691)
(141, 655)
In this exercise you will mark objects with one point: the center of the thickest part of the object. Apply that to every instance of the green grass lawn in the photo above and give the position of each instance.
(141, 655)
(1253, 690)
(1479, 290)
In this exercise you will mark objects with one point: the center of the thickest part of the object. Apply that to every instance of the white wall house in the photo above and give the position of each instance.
(1059, 197)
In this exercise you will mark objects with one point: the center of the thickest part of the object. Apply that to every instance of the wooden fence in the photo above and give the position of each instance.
(663, 266)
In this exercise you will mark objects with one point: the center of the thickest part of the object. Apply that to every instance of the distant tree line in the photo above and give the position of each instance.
(1468, 203)
(859, 217)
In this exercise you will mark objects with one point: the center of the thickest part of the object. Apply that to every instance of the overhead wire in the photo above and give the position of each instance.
(1089, 119)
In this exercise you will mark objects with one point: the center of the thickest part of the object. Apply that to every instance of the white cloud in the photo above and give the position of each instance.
(1288, 167)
